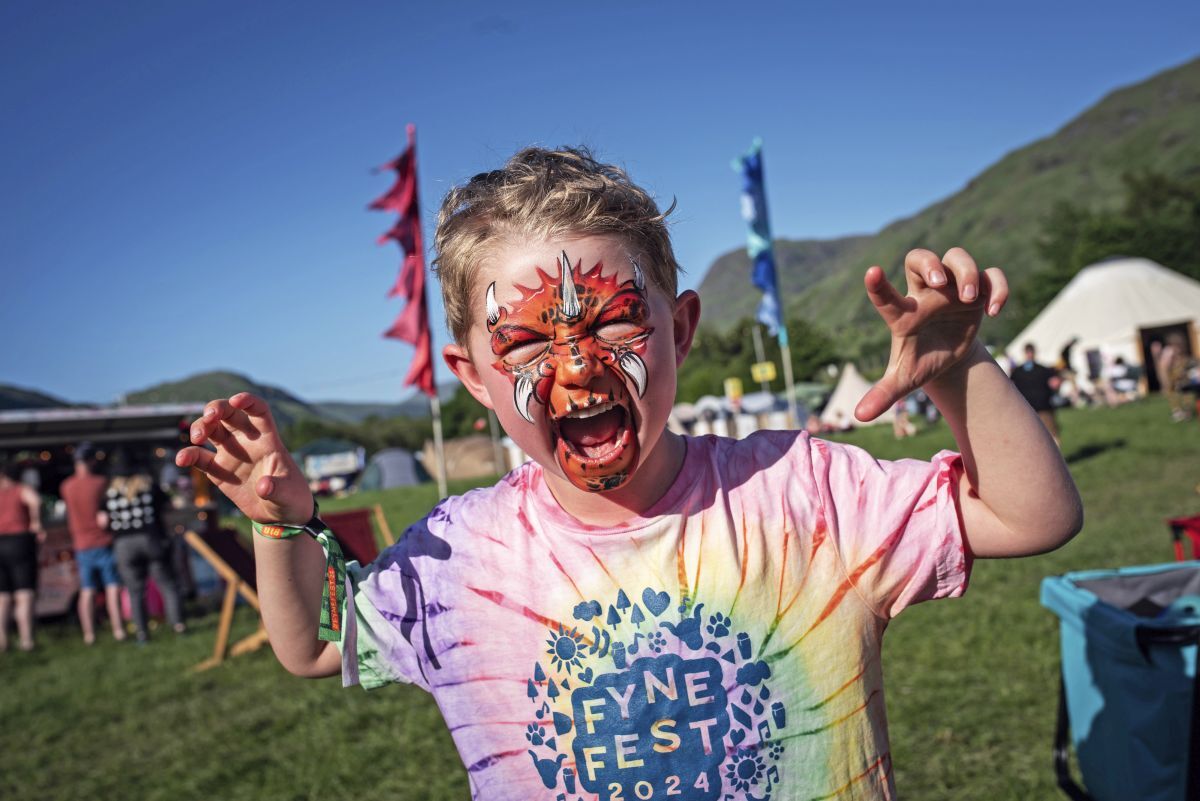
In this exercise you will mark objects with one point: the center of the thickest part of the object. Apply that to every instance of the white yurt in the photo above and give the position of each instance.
(1114, 308)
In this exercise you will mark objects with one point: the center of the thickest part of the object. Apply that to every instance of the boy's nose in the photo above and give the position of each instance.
(574, 365)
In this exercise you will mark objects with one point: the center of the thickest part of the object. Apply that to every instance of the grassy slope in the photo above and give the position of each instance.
(203, 387)
(971, 683)
(1152, 125)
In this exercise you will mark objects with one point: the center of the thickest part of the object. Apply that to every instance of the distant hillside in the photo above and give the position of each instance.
(203, 387)
(1154, 125)
(19, 398)
(800, 265)
(286, 407)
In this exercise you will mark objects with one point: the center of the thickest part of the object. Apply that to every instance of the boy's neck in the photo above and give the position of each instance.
(647, 486)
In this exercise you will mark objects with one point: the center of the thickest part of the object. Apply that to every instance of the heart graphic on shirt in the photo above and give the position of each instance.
(656, 602)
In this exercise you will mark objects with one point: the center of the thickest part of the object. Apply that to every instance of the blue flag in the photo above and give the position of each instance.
(758, 245)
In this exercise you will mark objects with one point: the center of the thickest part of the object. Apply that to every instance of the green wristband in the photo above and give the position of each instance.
(333, 591)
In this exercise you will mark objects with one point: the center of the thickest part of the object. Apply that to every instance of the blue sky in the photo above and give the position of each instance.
(185, 184)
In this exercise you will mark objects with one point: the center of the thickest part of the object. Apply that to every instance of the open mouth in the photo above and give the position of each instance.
(597, 434)
(596, 444)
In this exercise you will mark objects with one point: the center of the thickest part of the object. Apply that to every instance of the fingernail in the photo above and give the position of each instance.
(969, 292)
(994, 309)
(936, 278)
(197, 432)
(209, 413)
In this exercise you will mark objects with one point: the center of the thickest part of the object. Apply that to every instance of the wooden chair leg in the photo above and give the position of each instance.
(384, 528)
(222, 627)
(250, 643)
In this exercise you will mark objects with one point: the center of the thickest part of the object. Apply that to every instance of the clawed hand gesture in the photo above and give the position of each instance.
(251, 465)
(933, 326)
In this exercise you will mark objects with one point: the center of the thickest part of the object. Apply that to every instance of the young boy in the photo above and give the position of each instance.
(636, 614)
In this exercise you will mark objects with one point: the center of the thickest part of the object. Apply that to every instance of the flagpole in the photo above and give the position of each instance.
(785, 356)
(439, 449)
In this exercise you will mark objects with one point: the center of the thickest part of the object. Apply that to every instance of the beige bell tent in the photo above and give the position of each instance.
(1115, 308)
(839, 409)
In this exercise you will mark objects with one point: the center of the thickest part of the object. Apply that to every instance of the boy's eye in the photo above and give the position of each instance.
(522, 353)
(619, 329)
(518, 345)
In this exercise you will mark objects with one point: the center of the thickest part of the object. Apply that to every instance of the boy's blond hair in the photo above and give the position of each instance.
(545, 193)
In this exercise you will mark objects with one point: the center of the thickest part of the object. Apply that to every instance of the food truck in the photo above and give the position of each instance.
(43, 442)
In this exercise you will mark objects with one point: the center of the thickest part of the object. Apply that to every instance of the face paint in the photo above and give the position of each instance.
(574, 346)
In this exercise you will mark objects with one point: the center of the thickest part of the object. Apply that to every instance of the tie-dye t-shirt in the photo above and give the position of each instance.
(724, 645)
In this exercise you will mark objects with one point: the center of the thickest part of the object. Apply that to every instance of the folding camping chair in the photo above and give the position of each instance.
(354, 533)
(1185, 527)
(235, 565)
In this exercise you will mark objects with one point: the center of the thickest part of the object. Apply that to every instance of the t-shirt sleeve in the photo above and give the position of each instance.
(390, 604)
(896, 525)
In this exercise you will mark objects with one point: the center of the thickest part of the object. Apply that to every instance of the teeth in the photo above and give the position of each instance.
(592, 411)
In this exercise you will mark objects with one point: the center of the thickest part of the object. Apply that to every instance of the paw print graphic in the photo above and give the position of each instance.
(535, 734)
(776, 750)
(718, 625)
(657, 642)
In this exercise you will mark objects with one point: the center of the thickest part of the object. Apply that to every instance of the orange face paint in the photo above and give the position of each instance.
(574, 345)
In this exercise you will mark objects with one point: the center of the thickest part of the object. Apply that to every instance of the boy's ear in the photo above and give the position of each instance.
(458, 359)
(686, 319)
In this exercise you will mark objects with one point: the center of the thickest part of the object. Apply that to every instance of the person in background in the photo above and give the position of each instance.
(1037, 384)
(20, 532)
(135, 505)
(83, 494)
(1172, 373)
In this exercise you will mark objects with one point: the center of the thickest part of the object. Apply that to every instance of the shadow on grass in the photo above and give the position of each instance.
(1093, 449)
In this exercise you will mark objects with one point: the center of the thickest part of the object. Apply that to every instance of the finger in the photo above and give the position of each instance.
(224, 439)
(265, 487)
(222, 411)
(887, 299)
(255, 407)
(997, 289)
(205, 460)
(923, 268)
(965, 272)
(878, 399)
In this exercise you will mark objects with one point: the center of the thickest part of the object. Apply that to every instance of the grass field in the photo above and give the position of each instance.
(971, 684)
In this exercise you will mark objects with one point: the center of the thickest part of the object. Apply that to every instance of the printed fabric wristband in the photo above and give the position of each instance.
(333, 593)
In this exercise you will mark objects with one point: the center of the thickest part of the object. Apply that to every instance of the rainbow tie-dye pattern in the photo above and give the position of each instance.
(724, 645)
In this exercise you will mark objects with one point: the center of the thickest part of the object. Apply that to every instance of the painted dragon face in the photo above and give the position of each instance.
(572, 348)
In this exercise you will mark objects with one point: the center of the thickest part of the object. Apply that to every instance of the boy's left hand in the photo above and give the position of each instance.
(934, 326)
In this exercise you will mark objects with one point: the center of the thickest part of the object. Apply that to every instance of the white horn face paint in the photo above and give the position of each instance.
(522, 394)
(639, 278)
(569, 300)
(493, 308)
(633, 366)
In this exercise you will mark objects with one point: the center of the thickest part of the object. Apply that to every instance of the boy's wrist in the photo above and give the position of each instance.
(954, 378)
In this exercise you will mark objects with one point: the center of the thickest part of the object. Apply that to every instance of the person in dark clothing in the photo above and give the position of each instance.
(134, 503)
(1038, 384)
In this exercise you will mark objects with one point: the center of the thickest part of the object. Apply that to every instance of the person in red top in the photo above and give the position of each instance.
(20, 523)
(83, 494)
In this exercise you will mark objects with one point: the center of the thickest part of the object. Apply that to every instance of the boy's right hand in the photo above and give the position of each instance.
(251, 464)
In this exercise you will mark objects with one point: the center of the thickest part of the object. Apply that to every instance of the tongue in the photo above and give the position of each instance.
(590, 434)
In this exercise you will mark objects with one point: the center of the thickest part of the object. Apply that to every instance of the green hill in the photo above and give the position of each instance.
(1153, 125)
(288, 408)
(20, 398)
(203, 387)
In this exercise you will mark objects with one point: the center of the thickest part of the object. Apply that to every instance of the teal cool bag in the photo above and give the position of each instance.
(1129, 693)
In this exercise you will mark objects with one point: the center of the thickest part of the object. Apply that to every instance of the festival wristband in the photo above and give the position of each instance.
(333, 593)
